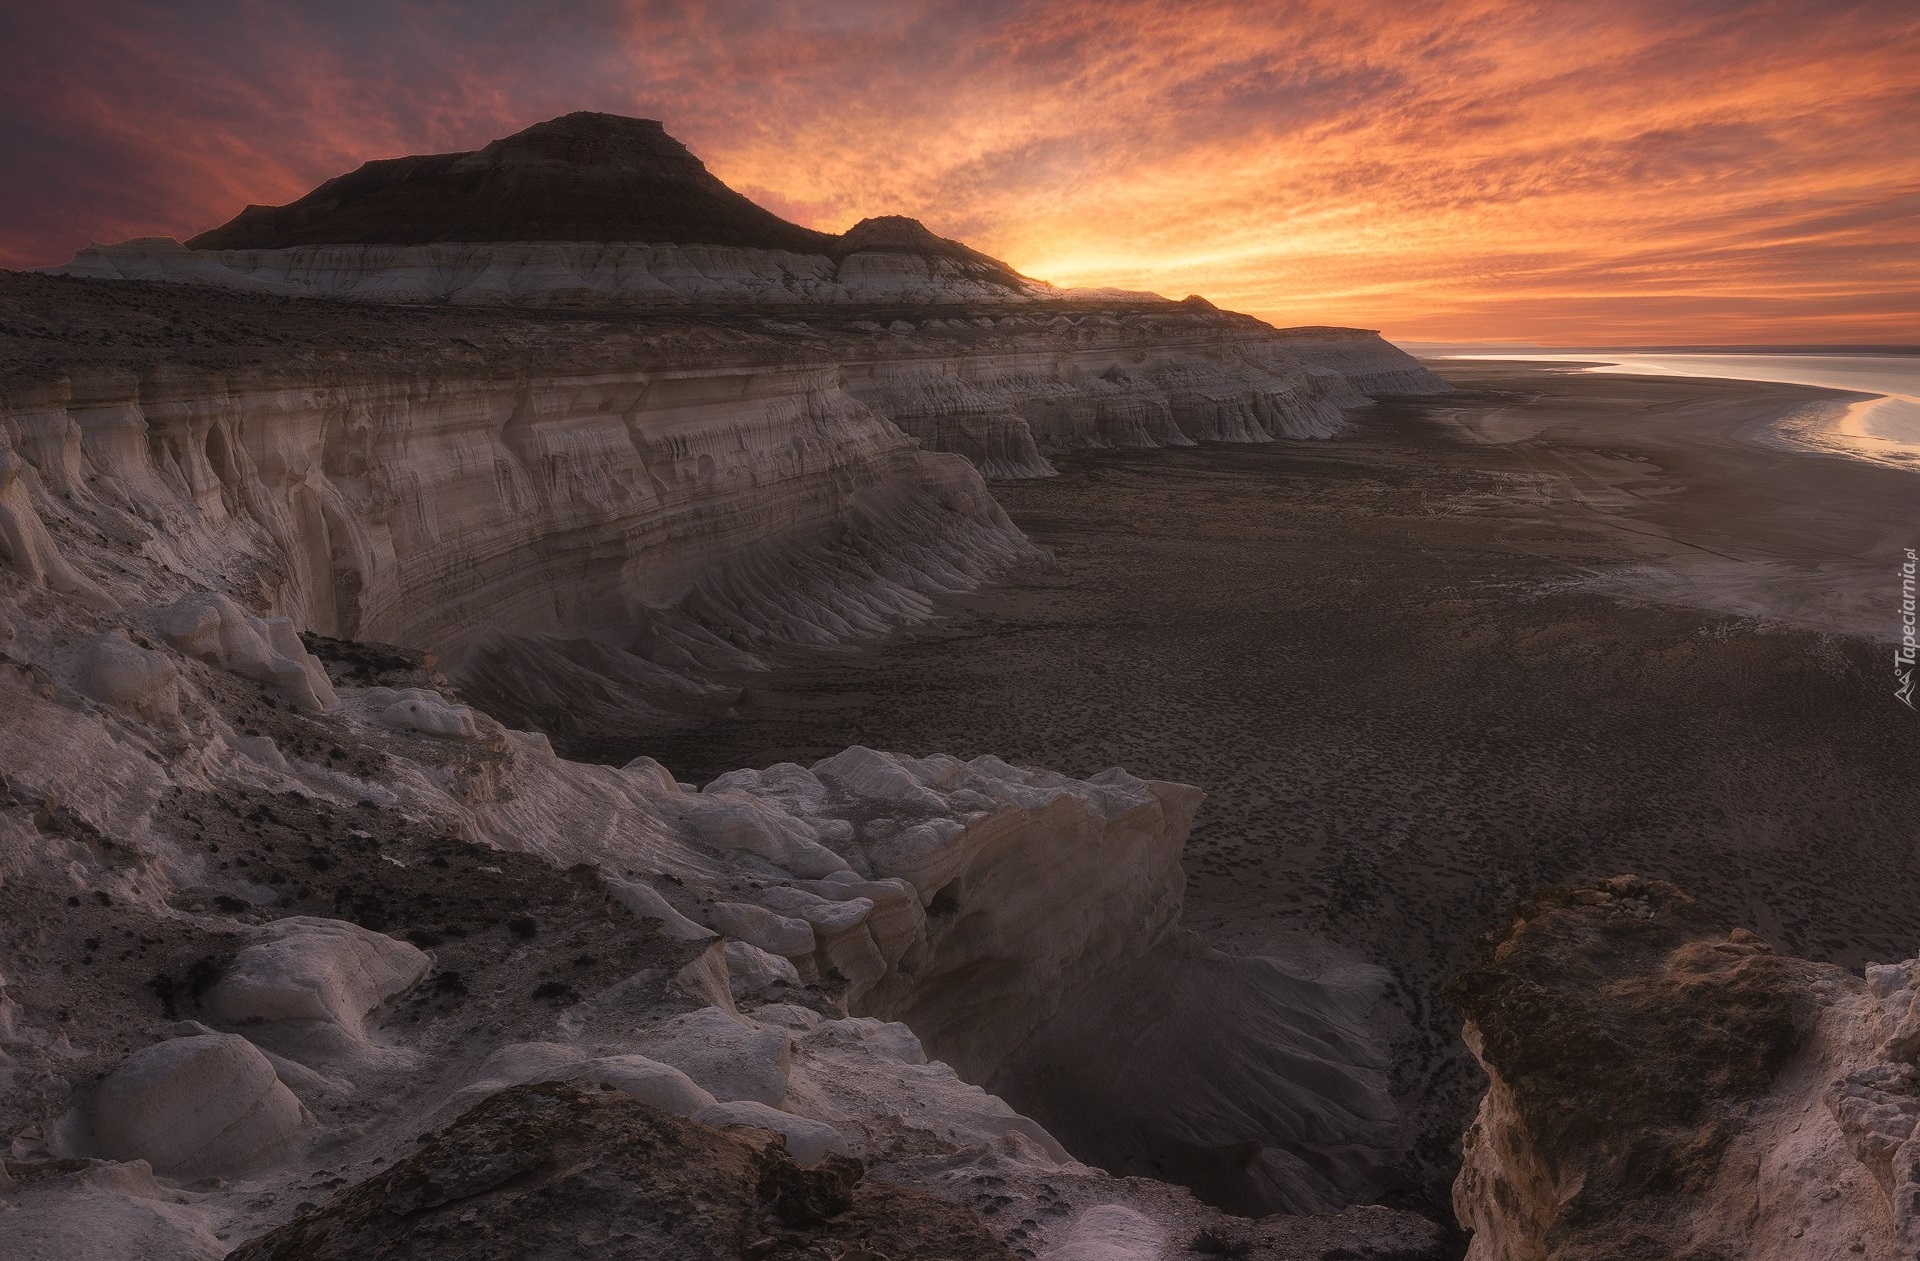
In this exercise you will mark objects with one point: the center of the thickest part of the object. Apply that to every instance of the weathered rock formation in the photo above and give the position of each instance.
(1660, 1087)
(582, 210)
(278, 900)
(580, 177)
(350, 930)
(586, 519)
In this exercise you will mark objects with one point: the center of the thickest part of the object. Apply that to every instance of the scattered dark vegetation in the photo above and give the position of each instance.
(1213, 1242)
(199, 977)
(365, 663)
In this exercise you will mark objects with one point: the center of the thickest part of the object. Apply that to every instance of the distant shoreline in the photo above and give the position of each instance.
(1876, 416)
(1496, 350)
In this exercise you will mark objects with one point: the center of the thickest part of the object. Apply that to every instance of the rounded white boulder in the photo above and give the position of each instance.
(732, 1058)
(772, 932)
(130, 678)
(197, 1106)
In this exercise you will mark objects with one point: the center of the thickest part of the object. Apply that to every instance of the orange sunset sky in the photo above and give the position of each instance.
(1570, 173)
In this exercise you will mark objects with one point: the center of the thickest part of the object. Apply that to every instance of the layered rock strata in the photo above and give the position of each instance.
(621, 274)
(582, 210)
(290, 909)
(589, 519)
(244, 857)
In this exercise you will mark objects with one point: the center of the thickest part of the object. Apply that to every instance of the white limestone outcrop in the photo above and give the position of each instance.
(1112, 1232)
(119, 672)
(807, 1141)
(1364, 365)
(209, 626)
(307, 969)
(958, 894)
(1023, 387)
(104, 1209)
(651, 1082)
(423, 710)
(733, 1059)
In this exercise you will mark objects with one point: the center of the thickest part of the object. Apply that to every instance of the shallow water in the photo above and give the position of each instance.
(1890, 418)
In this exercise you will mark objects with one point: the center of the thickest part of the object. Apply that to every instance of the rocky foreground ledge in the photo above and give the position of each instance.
(1662, 1087)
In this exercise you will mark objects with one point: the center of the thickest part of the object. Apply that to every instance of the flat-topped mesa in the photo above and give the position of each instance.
(964, 354)
(581, 177)
(585, 210)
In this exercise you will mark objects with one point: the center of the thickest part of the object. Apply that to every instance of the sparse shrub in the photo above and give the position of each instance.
(1213, 1242)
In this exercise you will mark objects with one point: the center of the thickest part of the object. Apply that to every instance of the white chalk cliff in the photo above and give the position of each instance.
(338, 895)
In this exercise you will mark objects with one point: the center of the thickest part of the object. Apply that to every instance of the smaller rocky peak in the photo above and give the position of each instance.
(899, 234)
(895, 234)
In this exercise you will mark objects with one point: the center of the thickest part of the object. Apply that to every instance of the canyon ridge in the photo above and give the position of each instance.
(335, 534)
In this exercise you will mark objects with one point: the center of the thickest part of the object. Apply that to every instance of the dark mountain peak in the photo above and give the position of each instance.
(580, 177)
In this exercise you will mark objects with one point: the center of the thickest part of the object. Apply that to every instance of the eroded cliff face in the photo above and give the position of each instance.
(699, 515)
(1168, 377)
(347, 902)
(349, 908)
(1660, 1087)
(589, 519)
(420, 508)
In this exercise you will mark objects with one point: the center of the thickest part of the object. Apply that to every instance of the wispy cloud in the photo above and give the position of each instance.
(1672, 170)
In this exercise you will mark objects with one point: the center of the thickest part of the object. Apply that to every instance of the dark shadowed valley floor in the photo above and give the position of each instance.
(1437, 663)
